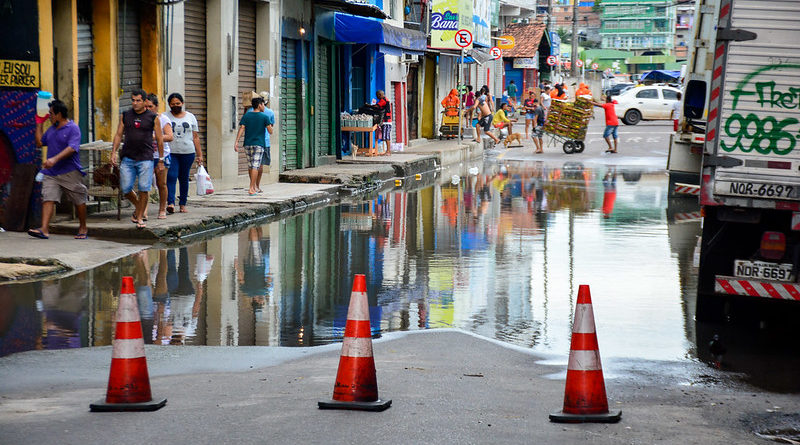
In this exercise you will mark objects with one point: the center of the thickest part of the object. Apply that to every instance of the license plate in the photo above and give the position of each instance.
(756, 190)
(763, 270)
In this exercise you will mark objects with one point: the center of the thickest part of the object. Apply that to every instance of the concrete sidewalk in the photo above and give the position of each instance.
(23, 257)
(446, 386)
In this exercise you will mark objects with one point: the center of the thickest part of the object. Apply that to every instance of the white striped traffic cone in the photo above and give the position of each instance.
(128, 380)
(585, 394)
(356, 385)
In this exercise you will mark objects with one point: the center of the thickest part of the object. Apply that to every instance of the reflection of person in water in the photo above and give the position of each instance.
(609, 191)
(20, 321)
(144, 294)
(252, 272)
(183, 299)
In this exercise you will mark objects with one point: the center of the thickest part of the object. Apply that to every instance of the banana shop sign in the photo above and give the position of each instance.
(19, 73)
(447, 17)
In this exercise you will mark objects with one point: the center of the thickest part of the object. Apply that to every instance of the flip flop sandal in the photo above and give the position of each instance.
(141, 225)
(36, 233)
(170, 209)
(82, 236)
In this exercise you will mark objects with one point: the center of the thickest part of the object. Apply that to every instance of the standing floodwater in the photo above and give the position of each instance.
(500, 254)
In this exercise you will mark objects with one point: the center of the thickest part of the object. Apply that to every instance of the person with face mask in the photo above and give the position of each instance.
(184, 150)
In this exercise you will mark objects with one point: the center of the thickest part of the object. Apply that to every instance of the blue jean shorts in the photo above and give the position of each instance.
(610, 129)
(130, 171)
(166, 162)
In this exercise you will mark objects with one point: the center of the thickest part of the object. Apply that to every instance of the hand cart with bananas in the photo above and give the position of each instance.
(566, 124)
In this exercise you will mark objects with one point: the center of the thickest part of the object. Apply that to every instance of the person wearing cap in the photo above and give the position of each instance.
(253, 125)
(265, 158)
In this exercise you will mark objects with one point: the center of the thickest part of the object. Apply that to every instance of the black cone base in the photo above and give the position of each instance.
(102, 406)
(378, 405)
(609, 417)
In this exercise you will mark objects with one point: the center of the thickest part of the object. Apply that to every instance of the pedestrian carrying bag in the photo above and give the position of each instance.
(203, 180)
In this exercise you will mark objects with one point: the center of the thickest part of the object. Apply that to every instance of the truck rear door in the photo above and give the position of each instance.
(754, 105)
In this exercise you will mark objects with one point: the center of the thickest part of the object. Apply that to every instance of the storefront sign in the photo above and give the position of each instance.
(555, 44)
(526, 62)
(482, 21)
(19, 73)
(506, 42)
(449, 16)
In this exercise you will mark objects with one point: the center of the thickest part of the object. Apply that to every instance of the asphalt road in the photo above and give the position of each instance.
(447, 387)
(645, 144)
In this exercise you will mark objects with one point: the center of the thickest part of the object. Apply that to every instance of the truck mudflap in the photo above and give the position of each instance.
(757, 288)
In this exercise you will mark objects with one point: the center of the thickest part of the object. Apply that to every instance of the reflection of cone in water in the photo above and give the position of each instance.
(128, 381)
(356, 385)
(585, 394)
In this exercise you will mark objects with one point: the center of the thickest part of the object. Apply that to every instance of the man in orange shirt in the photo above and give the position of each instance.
(612, 123)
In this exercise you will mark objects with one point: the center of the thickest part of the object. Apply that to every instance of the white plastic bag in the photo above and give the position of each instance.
(202, 266)
(203, 180)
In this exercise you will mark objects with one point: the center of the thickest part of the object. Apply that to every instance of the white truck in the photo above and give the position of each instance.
(741, 145)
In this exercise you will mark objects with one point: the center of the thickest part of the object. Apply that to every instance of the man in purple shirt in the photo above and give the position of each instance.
(62, 169)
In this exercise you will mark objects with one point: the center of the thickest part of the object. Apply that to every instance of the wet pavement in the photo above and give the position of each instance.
(499, 252)
(496, 251)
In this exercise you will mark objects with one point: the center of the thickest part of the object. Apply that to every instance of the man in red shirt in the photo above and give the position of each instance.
(611, 123)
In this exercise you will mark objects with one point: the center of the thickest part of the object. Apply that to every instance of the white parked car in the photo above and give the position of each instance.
(645, 103)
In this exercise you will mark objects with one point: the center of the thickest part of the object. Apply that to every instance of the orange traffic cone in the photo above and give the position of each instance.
(585, 395)
(356, 386)
(128, 381)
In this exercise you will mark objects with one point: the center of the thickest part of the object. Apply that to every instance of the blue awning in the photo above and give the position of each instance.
(349, 28)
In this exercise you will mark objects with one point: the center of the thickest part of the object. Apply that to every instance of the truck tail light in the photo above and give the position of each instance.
(773, 245)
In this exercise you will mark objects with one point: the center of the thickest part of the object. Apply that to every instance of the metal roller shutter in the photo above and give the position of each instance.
(289, 106)
(84, 44)
(324, 128)
(195, 65)
(497, 71)
(480, 79)
(130, 51)
(247, 61)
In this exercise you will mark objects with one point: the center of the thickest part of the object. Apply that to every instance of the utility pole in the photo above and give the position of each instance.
(574, 53)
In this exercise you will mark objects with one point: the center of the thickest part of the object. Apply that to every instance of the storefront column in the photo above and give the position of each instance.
(106, 72)
(222, 161)
(65, 42)
(153, 70)
(46, 68)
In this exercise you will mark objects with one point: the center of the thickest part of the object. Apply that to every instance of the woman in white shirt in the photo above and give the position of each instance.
(184, 150)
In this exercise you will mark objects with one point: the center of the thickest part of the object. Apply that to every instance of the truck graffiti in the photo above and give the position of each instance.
(764, 134)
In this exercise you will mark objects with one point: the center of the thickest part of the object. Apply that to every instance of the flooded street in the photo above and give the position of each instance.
(499, 253)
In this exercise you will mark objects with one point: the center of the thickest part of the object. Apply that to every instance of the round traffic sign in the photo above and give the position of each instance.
(463, 38)
(552, 60)
(595, 66)
(579, 63)
(496, 53)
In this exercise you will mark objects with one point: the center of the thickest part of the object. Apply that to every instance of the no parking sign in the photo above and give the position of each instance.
(552, 60)
(496, 53)
(463, 38)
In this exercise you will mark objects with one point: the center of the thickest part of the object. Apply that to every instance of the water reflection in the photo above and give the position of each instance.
(499, 253)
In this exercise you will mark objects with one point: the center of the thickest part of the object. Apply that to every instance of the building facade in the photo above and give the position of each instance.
(641, 26)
